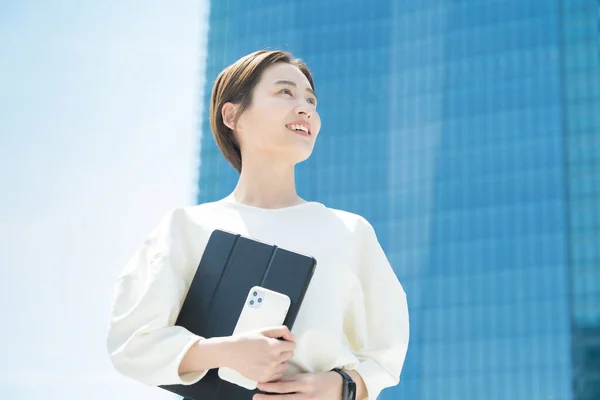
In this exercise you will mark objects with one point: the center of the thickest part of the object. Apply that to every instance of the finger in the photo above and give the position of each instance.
(286, 355)
(287, 346)
(288, 336)
(281, 368)
(288, 378)
(281, 386)
(279, 332)
(284, 378)
(293, 396)
(274, 378)
(277, 373)
(281, 346)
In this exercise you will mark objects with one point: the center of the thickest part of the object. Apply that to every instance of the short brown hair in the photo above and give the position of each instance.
(236, 84)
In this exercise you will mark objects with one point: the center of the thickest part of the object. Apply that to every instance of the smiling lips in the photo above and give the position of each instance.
(300, 127)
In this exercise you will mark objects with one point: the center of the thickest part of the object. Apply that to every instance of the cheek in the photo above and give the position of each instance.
(317, 122)
(270, 118)
(266, 113)
(255, 119)
(262, 126)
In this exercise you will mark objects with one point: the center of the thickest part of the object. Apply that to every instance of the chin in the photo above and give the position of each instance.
(290, 152)
(301, 155)
(297, 157)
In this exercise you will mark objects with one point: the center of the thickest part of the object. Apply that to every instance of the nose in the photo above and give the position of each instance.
(302, 109)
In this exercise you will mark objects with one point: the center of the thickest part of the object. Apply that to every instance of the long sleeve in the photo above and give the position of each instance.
(377, 323)
(142, 342)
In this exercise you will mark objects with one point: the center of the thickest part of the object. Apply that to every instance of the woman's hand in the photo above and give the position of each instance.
(306, 386)
(260, 355)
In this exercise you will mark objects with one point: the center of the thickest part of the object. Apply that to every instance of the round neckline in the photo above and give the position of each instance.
(228, 201)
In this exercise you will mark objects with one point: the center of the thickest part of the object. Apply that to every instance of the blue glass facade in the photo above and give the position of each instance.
(581, 76)
(468, 133)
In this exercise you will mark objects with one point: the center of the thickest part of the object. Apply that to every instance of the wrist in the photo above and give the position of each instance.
(203, 355)
(224, 351)
(337, 385)
(361, 388)
(348, 385)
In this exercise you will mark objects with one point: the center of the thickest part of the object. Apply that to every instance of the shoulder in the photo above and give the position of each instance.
(350, 218)
(355, 223)
(195, 213)
(182, 217)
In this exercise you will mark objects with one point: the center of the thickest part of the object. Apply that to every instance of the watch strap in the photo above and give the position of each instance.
(347, 381)
(344, 374)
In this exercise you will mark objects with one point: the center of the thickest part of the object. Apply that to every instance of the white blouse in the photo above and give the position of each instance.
(354, 314)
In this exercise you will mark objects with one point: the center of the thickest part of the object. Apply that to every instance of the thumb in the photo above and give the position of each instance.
(279, 332)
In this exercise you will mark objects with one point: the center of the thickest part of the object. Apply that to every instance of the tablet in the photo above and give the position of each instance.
(230, 266)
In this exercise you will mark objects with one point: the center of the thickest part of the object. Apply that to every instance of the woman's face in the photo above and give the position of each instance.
(282, 104)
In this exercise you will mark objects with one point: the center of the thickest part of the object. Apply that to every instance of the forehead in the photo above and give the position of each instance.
(283, 71)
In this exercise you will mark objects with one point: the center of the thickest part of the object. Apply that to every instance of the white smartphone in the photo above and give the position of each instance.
(263, 308)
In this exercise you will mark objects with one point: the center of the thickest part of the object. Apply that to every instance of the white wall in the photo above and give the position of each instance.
(98, 109)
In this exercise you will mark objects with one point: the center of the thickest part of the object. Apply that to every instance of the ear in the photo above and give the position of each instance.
(228, 112)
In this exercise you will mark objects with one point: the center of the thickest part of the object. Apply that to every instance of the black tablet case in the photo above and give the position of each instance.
(230, 266)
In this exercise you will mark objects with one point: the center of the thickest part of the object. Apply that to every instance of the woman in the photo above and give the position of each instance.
(354, 317)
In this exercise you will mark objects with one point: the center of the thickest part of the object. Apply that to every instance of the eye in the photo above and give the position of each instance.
(311, 100)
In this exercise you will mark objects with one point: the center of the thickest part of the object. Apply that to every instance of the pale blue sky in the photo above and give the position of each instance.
(98, 116)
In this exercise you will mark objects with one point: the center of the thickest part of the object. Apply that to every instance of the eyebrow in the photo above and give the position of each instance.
(291, 83)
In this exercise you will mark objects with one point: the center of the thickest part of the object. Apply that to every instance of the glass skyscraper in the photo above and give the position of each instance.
(580, 72)
(468, 133)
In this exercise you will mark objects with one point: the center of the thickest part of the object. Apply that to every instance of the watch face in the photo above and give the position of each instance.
(351, 391)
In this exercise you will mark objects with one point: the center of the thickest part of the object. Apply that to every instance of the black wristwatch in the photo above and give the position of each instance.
(349, 392)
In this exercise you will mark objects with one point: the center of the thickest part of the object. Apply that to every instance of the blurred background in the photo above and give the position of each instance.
(466, 131)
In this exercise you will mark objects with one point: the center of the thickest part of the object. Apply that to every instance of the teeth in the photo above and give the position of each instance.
(298, 127)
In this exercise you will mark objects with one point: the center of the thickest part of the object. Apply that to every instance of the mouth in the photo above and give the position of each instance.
(300, 129)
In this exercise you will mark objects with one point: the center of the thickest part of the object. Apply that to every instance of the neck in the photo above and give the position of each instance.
(266, 185)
